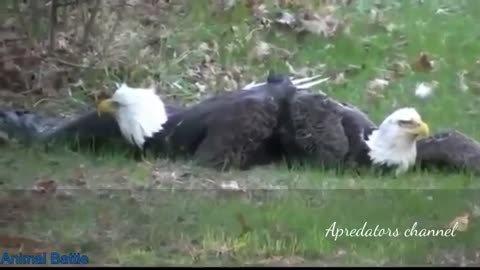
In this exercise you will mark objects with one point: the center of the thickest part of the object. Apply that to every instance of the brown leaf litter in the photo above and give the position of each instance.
(460, 223)
(282, 261)
(46, 189)
(306, 17)
(376, 90)
(28, 71)
(19, 206)
(79, 176)
(462, 83)
(45, 186)
(398, 69)
(19, 244)
(423, 63)
(263, 50)
(325, 26)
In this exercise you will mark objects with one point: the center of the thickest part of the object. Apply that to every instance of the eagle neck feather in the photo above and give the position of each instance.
(390, 151)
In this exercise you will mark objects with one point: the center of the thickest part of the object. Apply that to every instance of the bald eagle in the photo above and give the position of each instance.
(139, 112)
(281, 119)
(337, 133)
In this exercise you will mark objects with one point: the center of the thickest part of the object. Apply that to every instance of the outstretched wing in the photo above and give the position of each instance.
(26, 126)
(87, 130)
(449, 149)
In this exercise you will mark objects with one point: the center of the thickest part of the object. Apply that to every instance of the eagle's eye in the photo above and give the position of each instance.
(407, 123)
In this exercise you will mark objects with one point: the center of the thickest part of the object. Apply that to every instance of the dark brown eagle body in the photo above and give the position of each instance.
(239, 129)
(449, 149)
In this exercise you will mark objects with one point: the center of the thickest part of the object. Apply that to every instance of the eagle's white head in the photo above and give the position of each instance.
(139, 112)
(394, 143)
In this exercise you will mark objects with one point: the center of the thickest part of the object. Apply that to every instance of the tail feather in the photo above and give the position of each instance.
(302, 80)
(25, 125)
(311, 84)
(303, 83)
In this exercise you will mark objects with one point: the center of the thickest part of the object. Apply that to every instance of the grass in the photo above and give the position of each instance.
(284, 215)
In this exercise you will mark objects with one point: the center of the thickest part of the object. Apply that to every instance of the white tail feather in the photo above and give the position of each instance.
(302, 83)
(252, 85)
(311, 84)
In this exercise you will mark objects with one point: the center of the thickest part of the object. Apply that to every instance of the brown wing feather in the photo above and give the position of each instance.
(449, 149)
(318, 131)
(236, 129)
(236, 135)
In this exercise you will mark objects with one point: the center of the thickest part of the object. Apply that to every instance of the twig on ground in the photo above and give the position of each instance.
(42, 100)
(182, 57)
(73, 64)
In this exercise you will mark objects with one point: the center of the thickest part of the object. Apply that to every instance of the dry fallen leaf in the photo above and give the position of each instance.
(442, 11)
(462, 82)
(22, 244)
(423, 63)
(230, 185)
(340, 79)
(227, 83)
(325, 26)
(391, 27)
(375, 90)
(376, 16)
(282, 261)
(225, 5)
(201, 87)
(351, 183)
(328, 9)
(260, 11)
(377, 85)
(398, 69)
(285, 18)
(340, 253)
(460, 223)
(424, 90)
(302, 72)
(261, 50)
(79, 176)
(62, 43)
(65, 195)
(45, 186)
(203, 47)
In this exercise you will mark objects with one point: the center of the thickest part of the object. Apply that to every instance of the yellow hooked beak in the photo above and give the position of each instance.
(105, 106)
(421, 130)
